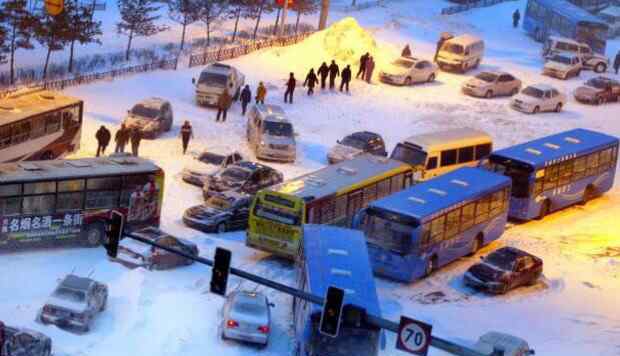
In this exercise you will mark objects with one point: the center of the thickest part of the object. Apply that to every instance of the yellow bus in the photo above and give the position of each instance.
(331, 195)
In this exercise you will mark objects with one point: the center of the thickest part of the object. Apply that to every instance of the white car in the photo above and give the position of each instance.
(152, 116)
(590, 60)
(207, 163)
(563, 66)
(492, 84)
(409, 70)
(214, 79)
(509, 344)
(247, 317)
(538, 98)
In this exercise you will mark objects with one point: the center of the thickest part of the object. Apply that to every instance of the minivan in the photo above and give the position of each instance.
(270, 134)
(461, 53)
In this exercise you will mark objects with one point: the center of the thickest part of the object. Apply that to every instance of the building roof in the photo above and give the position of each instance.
(447, 137)
(338, 257)
(570, 11)
(26, 103)
(547, 150)
(427, 198)
(342, 176)
(75, 168)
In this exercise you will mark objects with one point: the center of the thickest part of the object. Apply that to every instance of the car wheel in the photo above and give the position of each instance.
(578, 73)
(588, 194)
(600, 68)
(600, 100)
(536, 110)
(94, 234)
(477, 64)
(545, 209)
(488, 94)
(514, 91)
(47, 351)
(431, 78)
(477, 244)
(431, 265)
(221, 228)
(104, 304)
(47, 155)
(558, 108)
(408, 81)
(86, 328)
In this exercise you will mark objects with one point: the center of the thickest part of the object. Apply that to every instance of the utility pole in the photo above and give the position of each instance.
(283, 18)
(324, 14)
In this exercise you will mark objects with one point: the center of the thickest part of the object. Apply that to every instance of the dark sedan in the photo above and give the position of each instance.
(243, 177)
(503, 270)
(356, 144)
(222, 212)
(598, 91)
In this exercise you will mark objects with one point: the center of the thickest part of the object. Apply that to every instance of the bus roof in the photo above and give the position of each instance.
(570, 11)
(426, 198)
(547, 150)
(73, 168)
(444, 139)
(26, 103)
(339, 177)
(338, 257)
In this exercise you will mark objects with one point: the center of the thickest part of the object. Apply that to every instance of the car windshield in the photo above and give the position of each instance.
(597, 83)
(250, 305)
(353, 141)
(70, 294)
(408, 154)
(350, 341)
(403, 63)
(236, 173)
(145, 111)
(561, 59)
(219, 203)
(454, 48)
(502, 259)
(272, 128)
(534, 92)
(487, 77)
(211, 158)
(213, 79)
(388, 230)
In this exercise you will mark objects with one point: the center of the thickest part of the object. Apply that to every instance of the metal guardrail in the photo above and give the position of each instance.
(451, 10)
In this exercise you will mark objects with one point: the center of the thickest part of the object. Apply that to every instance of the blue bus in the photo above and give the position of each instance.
(544, 18)
(412, 233)
(553, 172)
(333, 256)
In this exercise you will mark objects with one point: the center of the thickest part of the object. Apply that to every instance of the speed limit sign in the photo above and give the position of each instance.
(414, 336)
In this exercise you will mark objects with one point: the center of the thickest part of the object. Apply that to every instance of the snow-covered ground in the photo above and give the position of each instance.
(572, 311)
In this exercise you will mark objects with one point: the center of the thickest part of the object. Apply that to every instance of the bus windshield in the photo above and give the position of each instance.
(277, 215)
(388, 230)
(408, 154)
(519, 175)
(350, 341)
(213, 79)
(454, 48)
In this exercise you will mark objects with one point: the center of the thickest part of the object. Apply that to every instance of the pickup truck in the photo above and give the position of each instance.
(23, 342)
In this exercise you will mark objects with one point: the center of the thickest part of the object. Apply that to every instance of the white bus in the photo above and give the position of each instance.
(440, 152)
(39, 124)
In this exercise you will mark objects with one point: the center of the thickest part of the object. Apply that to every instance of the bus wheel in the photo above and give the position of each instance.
(477, 244)
(94, 234)
(545, 208)
(431, 265)
(489, 94)
(536, 110)
(408, 81)
(600, 68)
(588, 194)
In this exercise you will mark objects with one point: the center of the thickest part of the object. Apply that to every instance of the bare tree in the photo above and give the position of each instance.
(52, 32)
(18, 24)
(210, 12)
(84, 29)
(184, 12)
(138, 19)
(304, 7)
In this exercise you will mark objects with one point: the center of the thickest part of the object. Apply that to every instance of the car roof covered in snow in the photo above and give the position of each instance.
(218, 67)
(271, 112)
(335, 256)
(423, 200)
(464, 40)
(72, 281)
(570, 11)
(364, 135)
(555, 148)
(542, 86)
(33, 171)
(26, 103)
(154, 102)
(567, 40)
(341, 177)
(510, 344)
(439, 140)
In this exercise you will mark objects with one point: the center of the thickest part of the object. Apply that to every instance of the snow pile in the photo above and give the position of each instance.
(346, 41)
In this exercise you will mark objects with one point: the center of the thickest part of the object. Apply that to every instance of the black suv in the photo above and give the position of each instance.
(243, 177)
(355, 144)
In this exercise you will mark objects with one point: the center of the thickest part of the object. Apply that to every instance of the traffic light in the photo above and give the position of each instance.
(332, 310)
(221, 269)
(114, 231)
(54, 7)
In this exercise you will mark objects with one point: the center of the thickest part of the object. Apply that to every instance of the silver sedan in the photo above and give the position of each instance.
(247, 317)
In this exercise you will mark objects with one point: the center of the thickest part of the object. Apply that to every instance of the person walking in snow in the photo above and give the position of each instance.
(311, 81)
(121, 138)
(406, 52)
(323, 72)
(516, 16)
(363, 61)
(136, 137)
(617, 62)
(246, 97)
(186, 133)
(345, 77)
(370, 67)
(290, 88)
(223, 104)
(334, 72)
(103, 137)
(261, 93)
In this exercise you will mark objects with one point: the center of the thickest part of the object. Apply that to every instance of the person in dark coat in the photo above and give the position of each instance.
(121, 138)
(617, 62)
(103, 137)
(323, 72)
(516, 16)
(345, 77)
(136, 137)
(370, 67)
(363, 61)
(186, 133)
(246, 97)
(223, 104)
(334, 71)
(406, 52)
(290, 88)
(311, 81)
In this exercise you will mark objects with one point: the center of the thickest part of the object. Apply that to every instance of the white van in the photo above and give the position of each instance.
(440, 152)
(461, 53)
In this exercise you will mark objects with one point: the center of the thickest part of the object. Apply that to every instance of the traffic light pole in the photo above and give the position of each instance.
(436, 342)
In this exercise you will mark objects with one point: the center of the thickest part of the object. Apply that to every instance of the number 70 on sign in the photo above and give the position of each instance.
(414, 336)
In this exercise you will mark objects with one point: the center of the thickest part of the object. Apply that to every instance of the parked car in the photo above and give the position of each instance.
(214, 79)
(246, 317)
(270, 134)
(409, 70)
(356, 144)
(503, 270)
(492, 84)
(598, 91)
(208, 162)
(590, 60)
(511, 345)
(151, 116)
(244, 177)
(538, 98)
(74, 303)
(563, 66)
(23, 342)
(227, 211)
(134, 254)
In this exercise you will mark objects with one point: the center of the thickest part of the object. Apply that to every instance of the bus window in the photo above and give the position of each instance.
(437, 226)
(551, 177)
(8, 190)
(605, 159)
(20, 132)
(74, 185)
(370, 194)
(497, 203)
(467, 216)
(448, 157)
(328, 211)
(592, 164)
(579, 168)
(397, 183)
(40, 188)
(564, 172)
(39, 204)
(101, 199)
(482, 151)
(52, 123)
(133, 184)
(103, 183)
(69, 201)
(432, 163)
(482, 210)
(466, 154)
(10, 206)
(341, 206)
(38, 128)
(452, 222)
(383, 188)
(389, 233)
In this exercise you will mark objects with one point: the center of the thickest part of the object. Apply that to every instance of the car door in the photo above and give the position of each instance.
(503, 84)
(548, 101)
(419, 72)
(239, 219)
(251, 185)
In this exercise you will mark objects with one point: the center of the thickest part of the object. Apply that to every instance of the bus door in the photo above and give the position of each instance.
(354, 204)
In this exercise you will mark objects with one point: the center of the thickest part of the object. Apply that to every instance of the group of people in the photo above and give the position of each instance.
(123, 136)
(367, 67)
(323, 73)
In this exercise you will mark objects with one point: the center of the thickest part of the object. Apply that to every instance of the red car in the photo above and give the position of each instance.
(598, 91)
